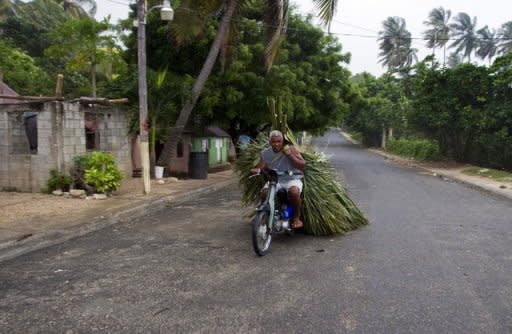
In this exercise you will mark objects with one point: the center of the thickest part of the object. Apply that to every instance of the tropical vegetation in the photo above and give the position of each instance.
(219, 60)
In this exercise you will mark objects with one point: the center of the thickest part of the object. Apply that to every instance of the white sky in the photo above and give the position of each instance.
(358, 22)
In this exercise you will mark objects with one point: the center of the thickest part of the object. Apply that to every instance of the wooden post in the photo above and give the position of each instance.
(58, 88)
(1, 81)
(383, 143)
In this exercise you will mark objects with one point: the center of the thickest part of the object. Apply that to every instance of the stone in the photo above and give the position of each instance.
(100, 196)
(57, 192)
(172, 179)
(160, 181)
(77, 193)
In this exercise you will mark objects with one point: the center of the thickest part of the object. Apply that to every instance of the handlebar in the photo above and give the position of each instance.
(269, 172)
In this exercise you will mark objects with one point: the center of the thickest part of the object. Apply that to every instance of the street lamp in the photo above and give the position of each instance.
(167, 14)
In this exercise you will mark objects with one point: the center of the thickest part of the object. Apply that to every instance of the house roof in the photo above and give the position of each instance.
(216, 131)
(6, 90)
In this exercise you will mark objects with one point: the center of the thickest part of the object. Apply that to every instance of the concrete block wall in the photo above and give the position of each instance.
(73, 133)
(61, 137)
(113, 131)
(17, 135)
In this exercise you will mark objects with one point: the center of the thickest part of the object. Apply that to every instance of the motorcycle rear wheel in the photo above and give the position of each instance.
(261, 233)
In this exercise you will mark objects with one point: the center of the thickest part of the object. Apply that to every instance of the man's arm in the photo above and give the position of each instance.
(259, 166)
(297, 160)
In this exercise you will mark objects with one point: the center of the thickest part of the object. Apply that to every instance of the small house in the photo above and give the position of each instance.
(213, 140)
(216, 142)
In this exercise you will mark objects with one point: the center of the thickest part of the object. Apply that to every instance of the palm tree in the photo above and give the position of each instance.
(276, 12)
(505, 37)
(170, 146)
(326, 10)
(395, 44)
(454, 60)
(77, 8)
(488, 45)
(439, 29)
(463, 30)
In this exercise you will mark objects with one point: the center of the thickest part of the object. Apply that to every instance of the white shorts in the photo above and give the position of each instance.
(288, 184)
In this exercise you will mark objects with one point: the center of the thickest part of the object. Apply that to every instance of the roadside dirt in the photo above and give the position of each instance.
(17, 208)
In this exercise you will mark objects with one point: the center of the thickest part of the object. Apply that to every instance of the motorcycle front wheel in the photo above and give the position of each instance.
(261, 233)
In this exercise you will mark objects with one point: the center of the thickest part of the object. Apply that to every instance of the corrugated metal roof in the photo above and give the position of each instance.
(6, 90)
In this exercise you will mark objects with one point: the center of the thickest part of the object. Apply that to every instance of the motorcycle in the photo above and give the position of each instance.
(273, 215)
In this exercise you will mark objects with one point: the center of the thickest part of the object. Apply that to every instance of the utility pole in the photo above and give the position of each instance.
(143, 95)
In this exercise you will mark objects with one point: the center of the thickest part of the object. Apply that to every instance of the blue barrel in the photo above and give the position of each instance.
(198, 165)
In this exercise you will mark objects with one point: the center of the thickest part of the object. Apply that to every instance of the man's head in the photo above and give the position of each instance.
(276, 140)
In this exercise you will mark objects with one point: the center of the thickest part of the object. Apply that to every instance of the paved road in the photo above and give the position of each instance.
(436, 259)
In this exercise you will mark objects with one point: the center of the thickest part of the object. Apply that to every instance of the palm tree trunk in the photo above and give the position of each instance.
(93, 80)
(170, 146)
(444, 56)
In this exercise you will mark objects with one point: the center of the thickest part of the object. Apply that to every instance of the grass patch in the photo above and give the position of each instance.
(418, 149)
(494, 174)
(357, 136)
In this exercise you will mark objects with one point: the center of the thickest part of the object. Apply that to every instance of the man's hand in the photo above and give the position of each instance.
(255, 170)
(286, 150)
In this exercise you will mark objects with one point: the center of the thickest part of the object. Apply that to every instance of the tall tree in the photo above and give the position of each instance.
(505, 37)
(488, 44)
(395, 44)
(438, 31)
(464, 32)
(22, 73)
(83, 44)
(6, 9)
(275, 19)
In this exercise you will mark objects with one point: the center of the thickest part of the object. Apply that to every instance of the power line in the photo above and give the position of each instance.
(121, 2)
(355, 26)
(375, 36)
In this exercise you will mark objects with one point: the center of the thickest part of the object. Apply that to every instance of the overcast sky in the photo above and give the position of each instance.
(358, 22)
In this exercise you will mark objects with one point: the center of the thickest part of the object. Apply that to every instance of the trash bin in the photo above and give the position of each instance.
(198, 165)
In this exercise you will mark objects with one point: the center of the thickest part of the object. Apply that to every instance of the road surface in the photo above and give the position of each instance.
(437, 258)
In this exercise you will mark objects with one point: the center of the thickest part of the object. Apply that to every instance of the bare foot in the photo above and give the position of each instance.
(297, 223)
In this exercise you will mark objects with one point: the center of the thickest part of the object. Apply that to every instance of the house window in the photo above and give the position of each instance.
(23, 132)
(179, 149)
(92, 135)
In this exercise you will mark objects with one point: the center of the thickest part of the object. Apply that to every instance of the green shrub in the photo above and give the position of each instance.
(419, 149)
(102, 172)
(80, 164)
(56, 181)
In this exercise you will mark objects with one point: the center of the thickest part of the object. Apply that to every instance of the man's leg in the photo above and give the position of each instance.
(296, 202)
(263, 194)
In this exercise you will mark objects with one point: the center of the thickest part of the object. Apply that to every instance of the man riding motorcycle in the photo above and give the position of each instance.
(284, 158)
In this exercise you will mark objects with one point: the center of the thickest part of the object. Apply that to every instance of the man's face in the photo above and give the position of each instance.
(276, 143)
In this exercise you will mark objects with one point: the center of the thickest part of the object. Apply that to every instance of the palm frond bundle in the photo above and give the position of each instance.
(326, 207)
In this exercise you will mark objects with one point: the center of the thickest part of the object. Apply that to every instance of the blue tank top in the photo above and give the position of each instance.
(280, 162)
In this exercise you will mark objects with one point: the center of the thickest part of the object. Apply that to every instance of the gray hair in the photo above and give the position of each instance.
(275, 133)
